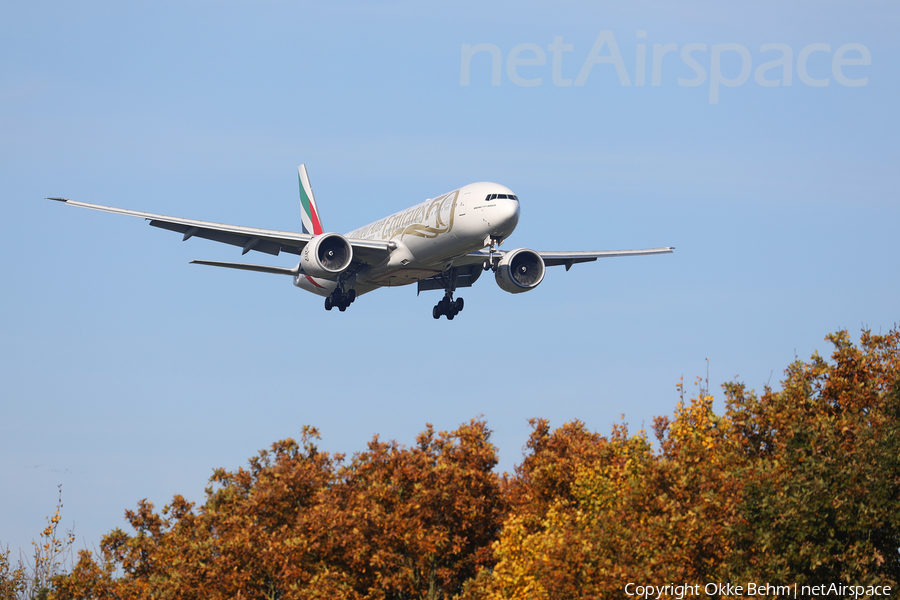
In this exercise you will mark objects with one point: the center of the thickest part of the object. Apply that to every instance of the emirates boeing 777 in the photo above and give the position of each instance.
(444, 243)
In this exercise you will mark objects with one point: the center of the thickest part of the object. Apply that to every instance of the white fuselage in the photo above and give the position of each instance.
(430, 235)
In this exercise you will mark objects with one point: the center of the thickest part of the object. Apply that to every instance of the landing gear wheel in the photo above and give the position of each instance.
(328, 303)
(351, 296)
(342, 307)
(447, 306)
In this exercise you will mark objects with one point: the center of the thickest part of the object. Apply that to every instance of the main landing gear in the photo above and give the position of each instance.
(340, 299)
(447, 307)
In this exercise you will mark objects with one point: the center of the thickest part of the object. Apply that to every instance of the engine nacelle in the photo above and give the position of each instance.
(326, 255)
(520, 271)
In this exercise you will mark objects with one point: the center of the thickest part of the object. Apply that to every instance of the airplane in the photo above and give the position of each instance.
(444, 243)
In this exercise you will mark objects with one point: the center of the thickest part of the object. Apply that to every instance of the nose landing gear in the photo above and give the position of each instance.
(492, 261)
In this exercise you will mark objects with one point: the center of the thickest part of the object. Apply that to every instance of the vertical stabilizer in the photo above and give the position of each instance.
(311, 222)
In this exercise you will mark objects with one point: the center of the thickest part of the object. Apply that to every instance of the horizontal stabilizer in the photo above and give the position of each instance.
(246, 267)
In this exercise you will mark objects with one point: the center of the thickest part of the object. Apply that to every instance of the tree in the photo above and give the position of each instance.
(13, 580)
(395, 523)
(822, 475)
(800, 485)
(614, 511)
(252, 538)
(32, 579)
(416, 522)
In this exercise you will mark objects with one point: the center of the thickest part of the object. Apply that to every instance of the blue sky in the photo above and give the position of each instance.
(127, 373)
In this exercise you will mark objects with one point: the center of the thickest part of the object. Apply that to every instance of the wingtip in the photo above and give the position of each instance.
(57, 199)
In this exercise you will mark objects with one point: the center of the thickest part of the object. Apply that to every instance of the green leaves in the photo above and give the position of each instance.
(821, 491)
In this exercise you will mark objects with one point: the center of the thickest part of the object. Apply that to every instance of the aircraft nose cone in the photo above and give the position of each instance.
(508, 213)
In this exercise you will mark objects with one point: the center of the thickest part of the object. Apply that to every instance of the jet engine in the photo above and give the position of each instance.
(326, 255)
(520, 270)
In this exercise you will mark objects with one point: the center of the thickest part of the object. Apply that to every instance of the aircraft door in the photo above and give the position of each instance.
(461, 206)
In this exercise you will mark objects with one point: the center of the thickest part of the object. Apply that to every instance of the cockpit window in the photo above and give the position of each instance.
(490, 197)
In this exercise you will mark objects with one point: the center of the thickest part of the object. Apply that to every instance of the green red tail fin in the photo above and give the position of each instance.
(310, 216)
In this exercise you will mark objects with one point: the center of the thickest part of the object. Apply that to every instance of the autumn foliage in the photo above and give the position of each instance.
(394, 522)
(798, 485)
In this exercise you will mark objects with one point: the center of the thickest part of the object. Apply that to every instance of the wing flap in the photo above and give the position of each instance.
(247, 242)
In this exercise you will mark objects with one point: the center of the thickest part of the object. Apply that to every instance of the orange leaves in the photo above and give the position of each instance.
(13, 581)
(422, 517)
(297, 523)
(31, 579)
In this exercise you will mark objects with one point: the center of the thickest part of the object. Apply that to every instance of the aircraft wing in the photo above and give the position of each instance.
(245, 267)
(247, 238)
(467, 268)
(552, 259)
